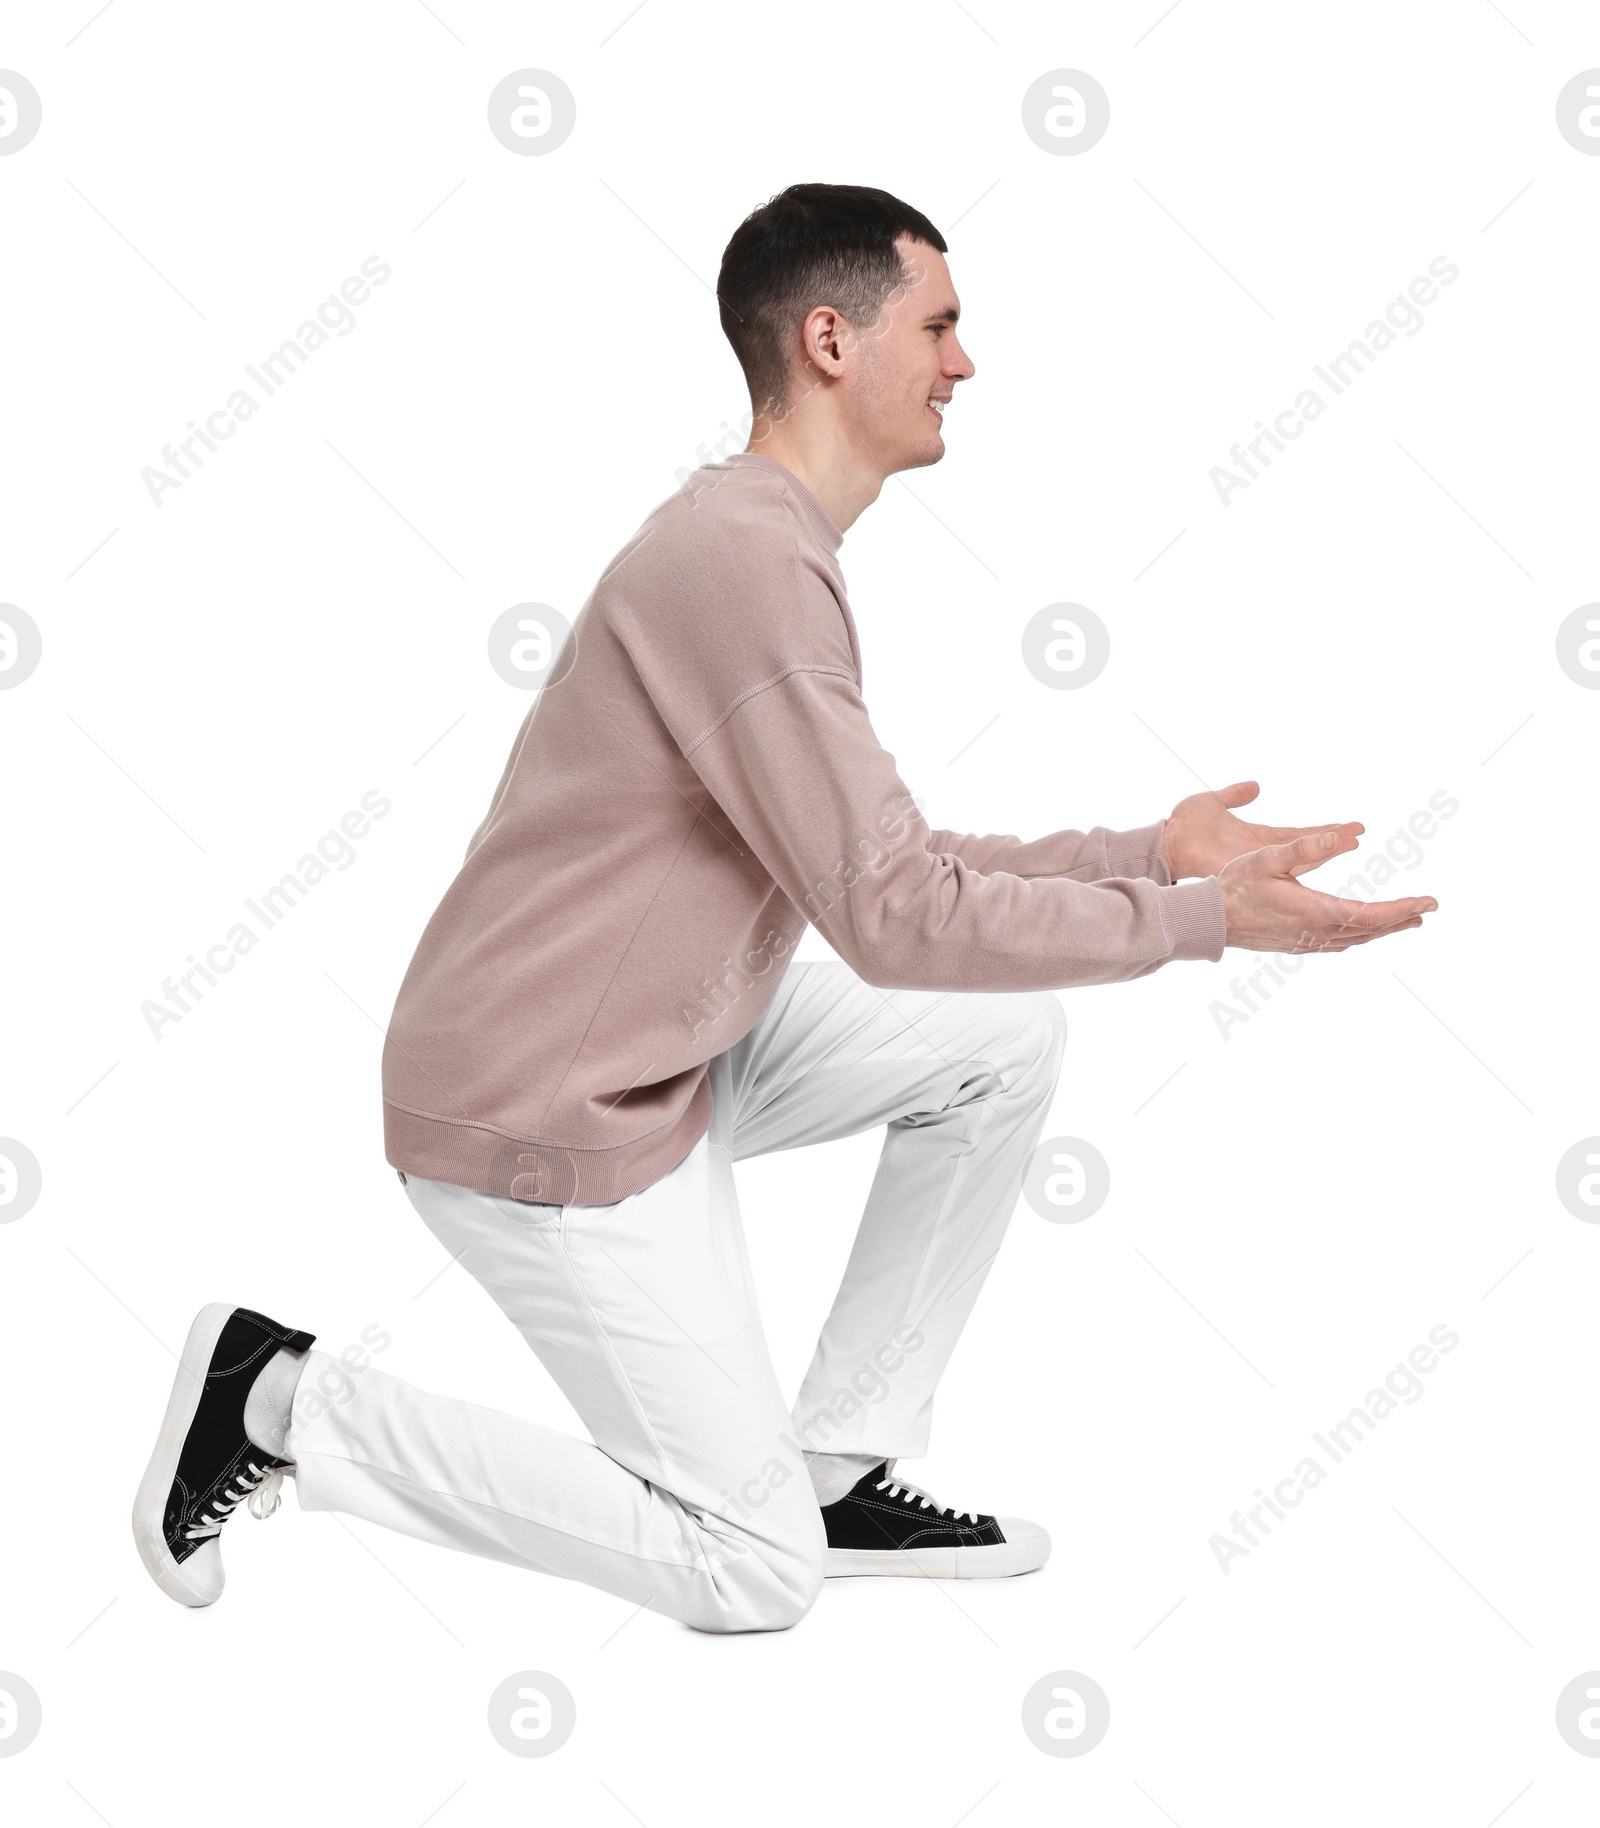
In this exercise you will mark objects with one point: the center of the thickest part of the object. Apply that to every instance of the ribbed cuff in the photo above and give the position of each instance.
(1197, 923)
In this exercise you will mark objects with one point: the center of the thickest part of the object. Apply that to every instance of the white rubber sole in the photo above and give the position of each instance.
(1025, 1548)
(182, 1581)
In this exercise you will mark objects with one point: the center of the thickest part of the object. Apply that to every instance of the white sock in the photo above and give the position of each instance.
(832, 1475)
(271, 1399)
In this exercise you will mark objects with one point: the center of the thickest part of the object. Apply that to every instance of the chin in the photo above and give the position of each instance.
(924, 454)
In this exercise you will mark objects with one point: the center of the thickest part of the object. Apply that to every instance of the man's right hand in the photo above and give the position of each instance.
(1269, 910)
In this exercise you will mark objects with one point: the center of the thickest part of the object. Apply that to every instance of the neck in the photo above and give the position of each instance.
(845, 477)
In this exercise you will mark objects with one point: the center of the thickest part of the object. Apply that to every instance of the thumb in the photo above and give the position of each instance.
(1241, 793)
(1314, 848)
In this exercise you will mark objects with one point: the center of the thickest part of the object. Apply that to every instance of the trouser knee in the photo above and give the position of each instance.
(1048, 1027)
(766, 1577)
(1038, 1038)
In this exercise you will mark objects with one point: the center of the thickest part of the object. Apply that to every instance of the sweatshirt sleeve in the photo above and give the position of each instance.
(800, 774)
(1089, 856)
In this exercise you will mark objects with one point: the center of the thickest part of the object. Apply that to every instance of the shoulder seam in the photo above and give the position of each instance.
(800, 666)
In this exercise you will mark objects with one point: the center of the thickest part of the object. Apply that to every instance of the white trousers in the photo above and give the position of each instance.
(694, 1495)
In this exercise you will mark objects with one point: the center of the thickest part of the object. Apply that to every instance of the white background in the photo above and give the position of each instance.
(305, 620)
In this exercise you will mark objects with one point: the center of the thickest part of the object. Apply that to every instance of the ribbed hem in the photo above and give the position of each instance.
(1197, 922)
(545, 1174)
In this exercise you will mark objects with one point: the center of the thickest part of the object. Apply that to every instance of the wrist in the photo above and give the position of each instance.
(1172, 852)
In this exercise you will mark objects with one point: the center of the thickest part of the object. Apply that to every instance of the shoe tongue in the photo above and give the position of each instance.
(868, 1480)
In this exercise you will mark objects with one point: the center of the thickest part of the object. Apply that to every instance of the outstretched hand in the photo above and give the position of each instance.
(1269, 910)
(1203, 835)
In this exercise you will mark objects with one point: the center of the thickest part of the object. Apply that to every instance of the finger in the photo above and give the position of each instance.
(1402, 926)
(1309, 852)
(1350, 828)
(1286, 834)
(1333, 917)
(1369, 916)
(1353, 933)
(1363, 939)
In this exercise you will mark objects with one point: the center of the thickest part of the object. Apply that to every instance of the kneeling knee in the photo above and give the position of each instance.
(769, 1585)
(788, 1602)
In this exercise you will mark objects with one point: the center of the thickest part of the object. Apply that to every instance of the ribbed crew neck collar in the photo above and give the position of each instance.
(828, 530)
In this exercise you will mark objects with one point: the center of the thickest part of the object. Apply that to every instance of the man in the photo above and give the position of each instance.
(602, 1016)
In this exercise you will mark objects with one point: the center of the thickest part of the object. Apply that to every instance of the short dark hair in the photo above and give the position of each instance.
(812, 244)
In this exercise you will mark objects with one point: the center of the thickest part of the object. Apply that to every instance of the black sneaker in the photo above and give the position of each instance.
(205, 1465)
(882, 1525)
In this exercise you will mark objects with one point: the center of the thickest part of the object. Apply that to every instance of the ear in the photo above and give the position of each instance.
(822, 337)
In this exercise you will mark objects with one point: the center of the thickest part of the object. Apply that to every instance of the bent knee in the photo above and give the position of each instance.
(1038, 1031)
(784, 1604)
(766, 1584)
(1050, 1020)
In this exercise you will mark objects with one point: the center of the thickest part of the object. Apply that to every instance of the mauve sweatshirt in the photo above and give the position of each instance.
(701, 781)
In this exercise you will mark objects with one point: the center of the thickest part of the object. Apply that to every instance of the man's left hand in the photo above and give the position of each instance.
(1202, 835)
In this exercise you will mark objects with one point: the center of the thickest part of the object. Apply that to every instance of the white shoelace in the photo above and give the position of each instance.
(906, 1492)
(264, 1489)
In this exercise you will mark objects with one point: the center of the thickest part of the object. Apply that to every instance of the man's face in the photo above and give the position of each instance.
(908, 364)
